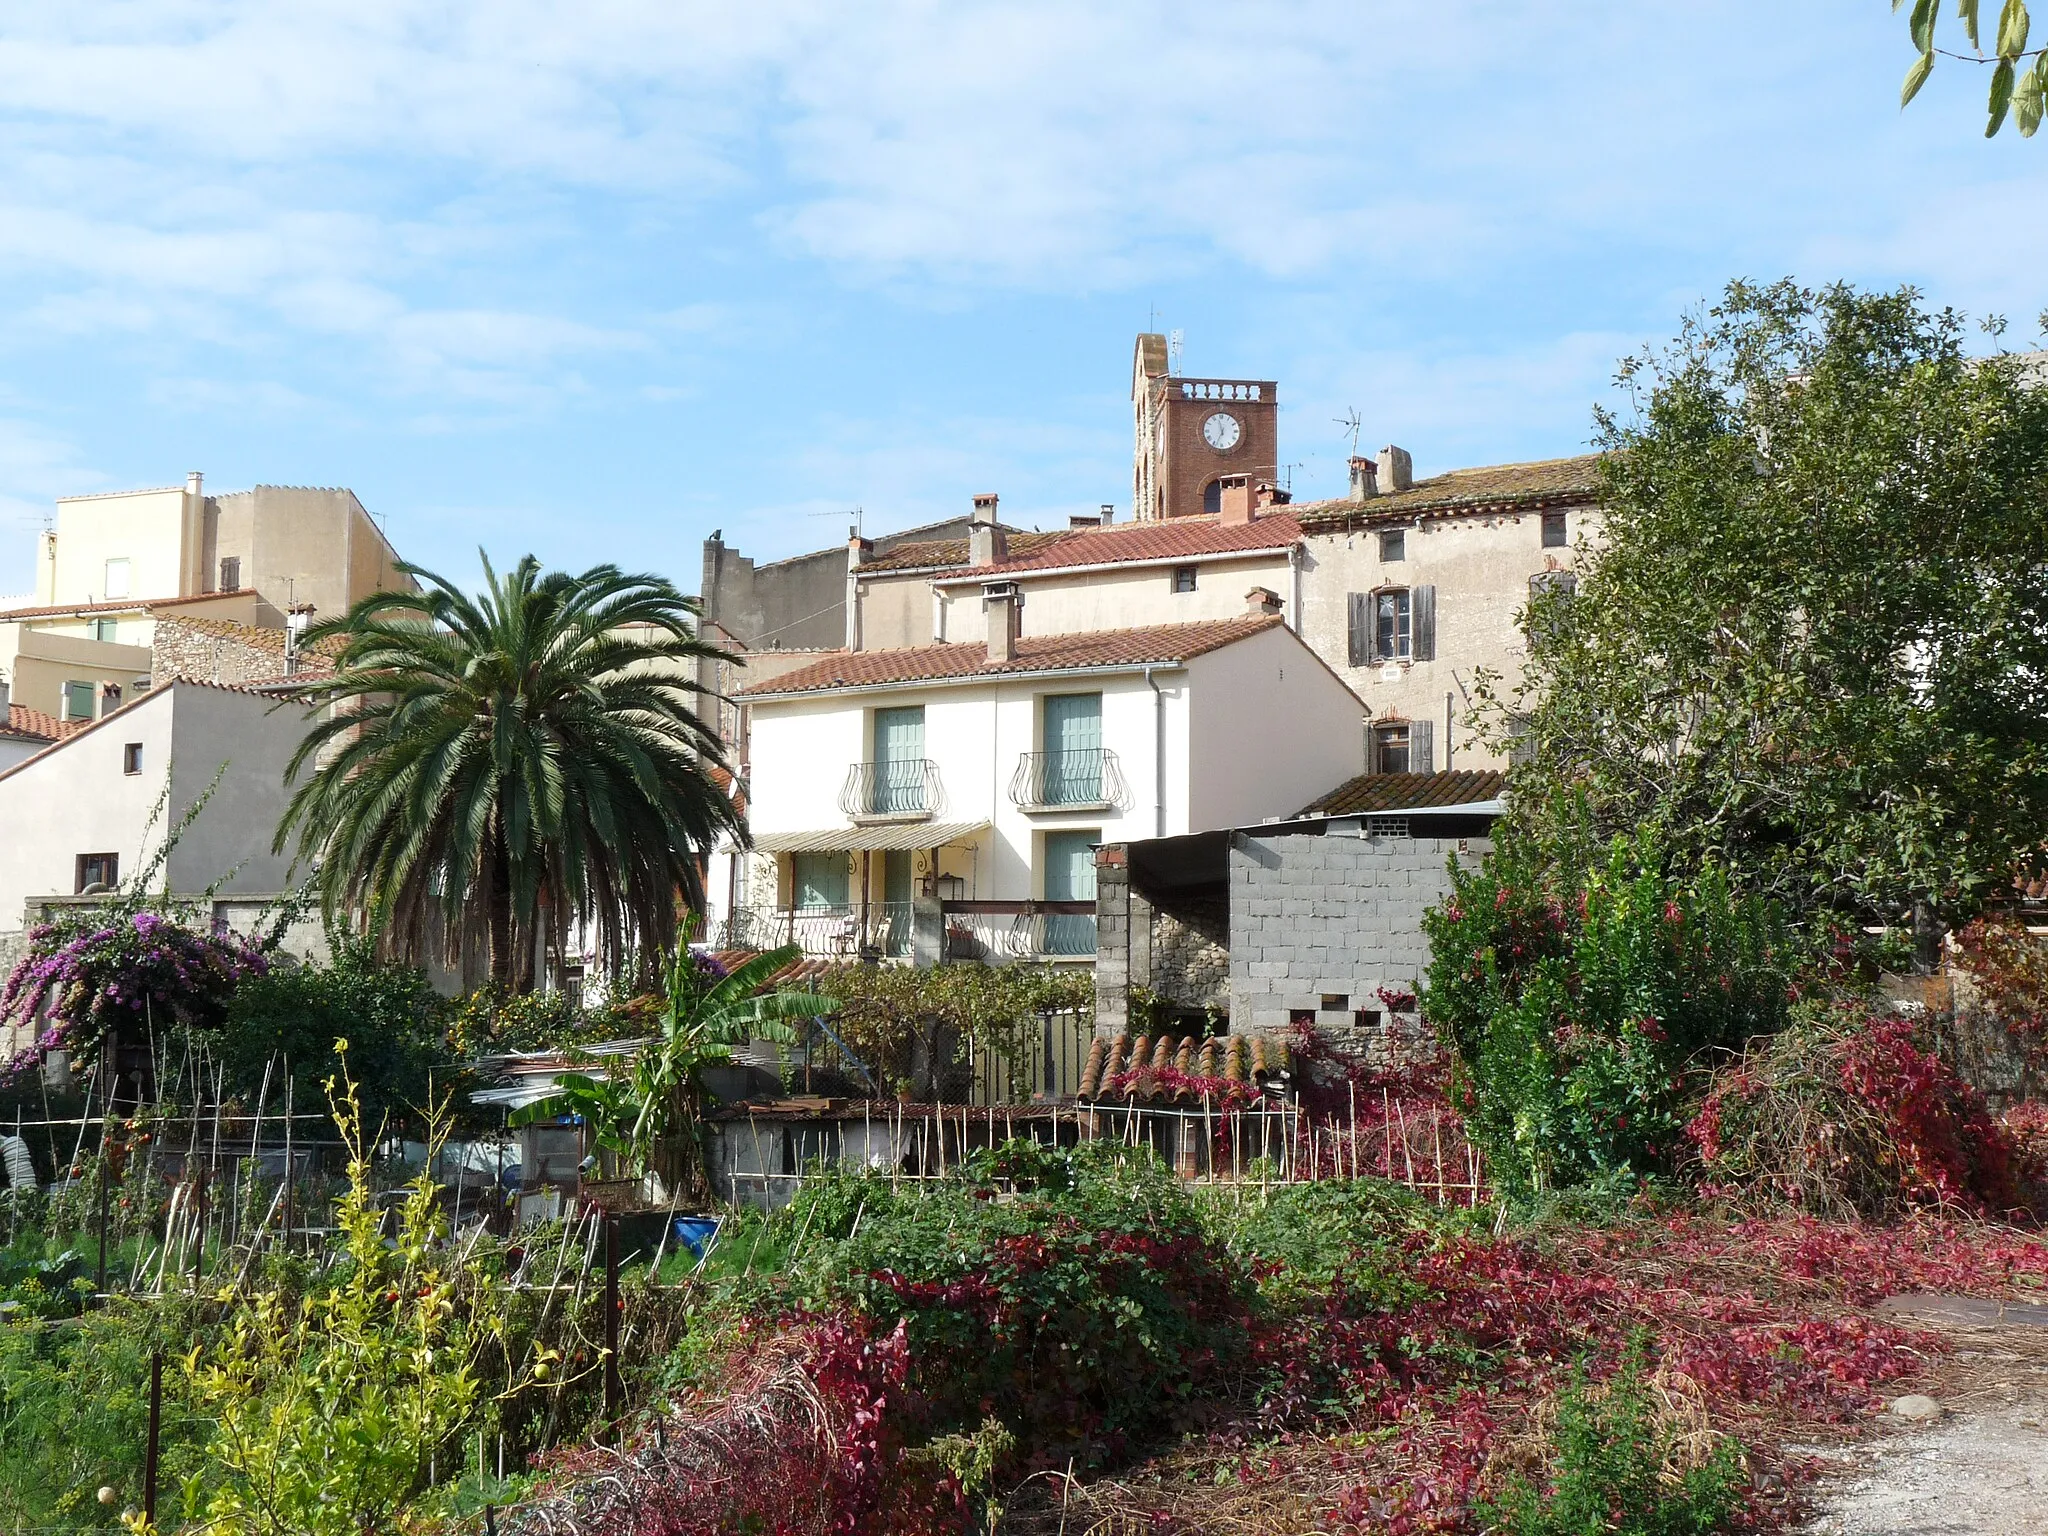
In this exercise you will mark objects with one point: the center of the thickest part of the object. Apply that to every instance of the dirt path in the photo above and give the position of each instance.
(1979, 1470)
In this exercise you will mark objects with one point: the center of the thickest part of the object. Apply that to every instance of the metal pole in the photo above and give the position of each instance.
(156, 1419)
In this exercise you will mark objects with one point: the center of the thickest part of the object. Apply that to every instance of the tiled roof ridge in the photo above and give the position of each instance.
(1474, 488)
(962, 660)
(912, 555)
(23, 721)
(1392, 793)
(120, 605)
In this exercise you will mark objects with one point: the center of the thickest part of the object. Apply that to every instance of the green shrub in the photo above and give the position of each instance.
(1613, 1469)
(1579, 1001)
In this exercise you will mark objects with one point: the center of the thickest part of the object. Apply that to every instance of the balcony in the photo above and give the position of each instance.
(1068, 781)
(880, 931)
(906, 790)
(999, 932)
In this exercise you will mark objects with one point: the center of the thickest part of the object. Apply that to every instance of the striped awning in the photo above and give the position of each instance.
(894, 837)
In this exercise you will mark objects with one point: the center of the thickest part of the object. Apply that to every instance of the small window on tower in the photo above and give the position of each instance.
(231, 573)
(1554, 533)
(1212, 498)
(1184, 578)
(1394, 545)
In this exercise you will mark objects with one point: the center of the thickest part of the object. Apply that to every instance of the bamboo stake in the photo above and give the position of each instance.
(1407, 1161)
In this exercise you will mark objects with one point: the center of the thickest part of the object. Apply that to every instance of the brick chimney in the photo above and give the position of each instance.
(1235, 500)
(987, 541)
(1002, 606)
(1396, 471)
(1262, 603)
(1364, 478)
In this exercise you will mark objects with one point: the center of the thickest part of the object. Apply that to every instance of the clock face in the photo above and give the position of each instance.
(1221, 431)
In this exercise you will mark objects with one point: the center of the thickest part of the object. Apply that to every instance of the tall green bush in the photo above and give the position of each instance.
(1579, 997)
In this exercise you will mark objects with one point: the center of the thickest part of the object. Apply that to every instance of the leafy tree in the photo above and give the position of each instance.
(651, 1113)
(530, 754)
(1813, 648)
(2016, 87)
(389, 1014)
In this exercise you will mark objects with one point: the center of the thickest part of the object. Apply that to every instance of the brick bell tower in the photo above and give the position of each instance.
(1191, 435)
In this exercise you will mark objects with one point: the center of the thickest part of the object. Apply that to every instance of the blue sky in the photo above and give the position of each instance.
(591, 280)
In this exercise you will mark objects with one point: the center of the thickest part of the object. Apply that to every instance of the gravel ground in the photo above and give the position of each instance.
(1981, 1468)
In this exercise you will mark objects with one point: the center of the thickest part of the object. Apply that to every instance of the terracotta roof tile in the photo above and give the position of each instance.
(1392, 792)
(23, 721)
(1169, 539)
(923, 554)
(1035, 653)
(119, 605)
(1492, 487)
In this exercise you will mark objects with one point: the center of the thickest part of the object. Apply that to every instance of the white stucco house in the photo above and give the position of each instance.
(89, 812)
(945, 801)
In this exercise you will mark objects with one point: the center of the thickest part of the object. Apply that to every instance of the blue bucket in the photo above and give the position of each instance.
(696, 1233)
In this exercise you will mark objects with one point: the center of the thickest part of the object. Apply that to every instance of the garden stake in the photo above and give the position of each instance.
(149, 1454)
(614, 1395)
(103, 1216)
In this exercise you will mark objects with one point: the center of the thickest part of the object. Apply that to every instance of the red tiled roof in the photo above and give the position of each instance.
(23, 721)
(1034, 653)
(1170, 539)
(1395, 792)
(1489, 488)
(119, 605)
(923, 554)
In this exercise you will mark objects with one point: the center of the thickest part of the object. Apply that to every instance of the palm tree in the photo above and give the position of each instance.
(489, 769)
(652, 1112)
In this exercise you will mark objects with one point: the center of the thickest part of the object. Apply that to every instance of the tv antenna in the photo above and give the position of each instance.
(856, 514)
(1175, 341)
(1287, 474)
(1351, 426)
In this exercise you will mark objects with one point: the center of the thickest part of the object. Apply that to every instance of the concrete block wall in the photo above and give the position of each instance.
(1335, 919)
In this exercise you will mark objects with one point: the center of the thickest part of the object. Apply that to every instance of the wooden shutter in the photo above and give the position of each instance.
(1422, 745)
(1360, 618)
(1422, 623)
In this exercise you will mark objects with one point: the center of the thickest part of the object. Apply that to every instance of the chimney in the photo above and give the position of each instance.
(1397, 470)
(1262, 603)
(1236, 499)
(1108, 513)
(1002, 606)
(1364, 478)
(857, 551)
(193, 481)
(987, 541)
(1084, 520)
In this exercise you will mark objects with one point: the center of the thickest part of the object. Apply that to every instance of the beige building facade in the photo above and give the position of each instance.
(113, 567)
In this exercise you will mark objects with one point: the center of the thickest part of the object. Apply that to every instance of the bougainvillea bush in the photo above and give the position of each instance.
(135, 973)
(1848, 1114)
(1580, 1003)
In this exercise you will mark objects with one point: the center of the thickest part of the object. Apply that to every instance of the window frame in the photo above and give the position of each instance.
(103, 869)
(92, 695)
(105, 631)
(1554, 523)
(1403, 638)
(131, 758)
(1186, 578)
(127, 570)
(1393, 546)
(1383, 734)
(227, 561)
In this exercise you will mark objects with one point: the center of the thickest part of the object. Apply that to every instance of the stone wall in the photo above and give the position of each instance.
(1321, 927)
(216, 651)
(1191, 956)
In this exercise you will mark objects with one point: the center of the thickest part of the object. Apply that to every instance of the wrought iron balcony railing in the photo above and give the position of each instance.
(823, 933)
(997, 932)
(907, 787)
(1060, 781)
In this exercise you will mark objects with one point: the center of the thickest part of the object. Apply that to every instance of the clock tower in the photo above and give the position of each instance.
(1193, 434)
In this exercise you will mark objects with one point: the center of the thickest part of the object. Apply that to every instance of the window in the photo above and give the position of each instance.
(1549, 592)
(78, 699)
(1404, 746)
(230, 573)
(1301, 1018)
(1392, 626)
(97, 869)
(1367, 1019)
(817, 880)
(1335, 1002)
(1394, 545)
(897, 788)
(1212, 497)
(1554, 533)
(1070, 767)
(117, 579)
(1184, 578)
(105, 630)
(1070, 876)
(131, 757)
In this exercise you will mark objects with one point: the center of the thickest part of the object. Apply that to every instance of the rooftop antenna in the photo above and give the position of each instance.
(1175, 340)
(1287, 474)
(1351, 427)
(855, 513)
